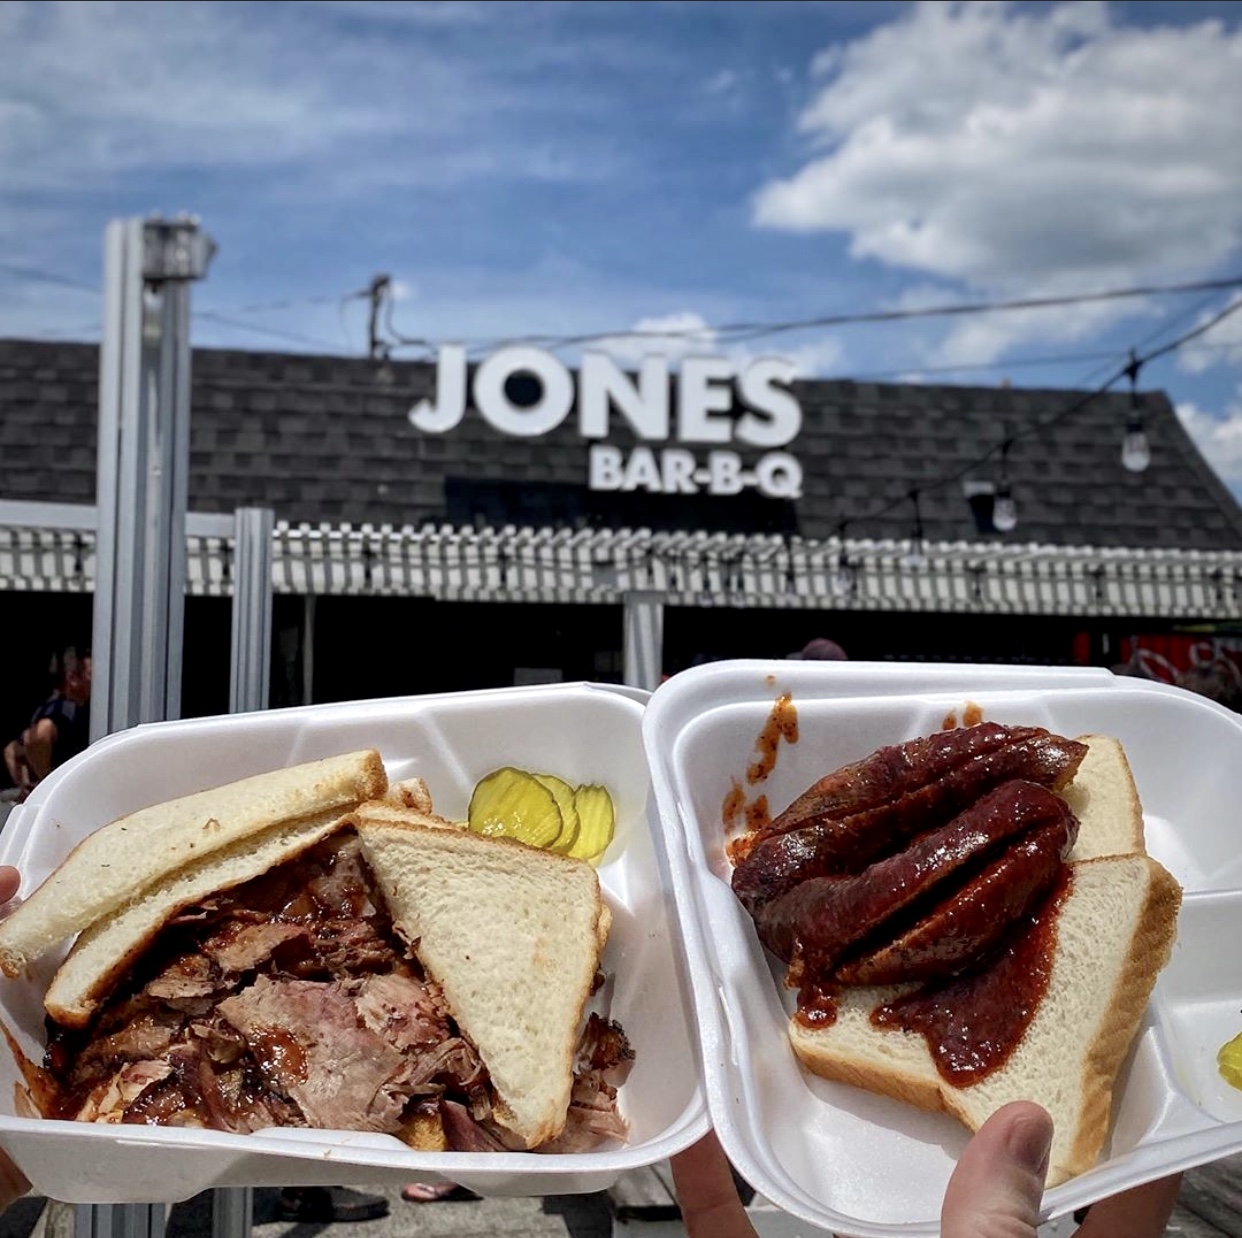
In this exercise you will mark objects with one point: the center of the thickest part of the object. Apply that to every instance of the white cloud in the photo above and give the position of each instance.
(688, 334)
(94, 94)
(816, 358)
(1013, 149)
(671, 335)
(1218, 345)
(1218, 438)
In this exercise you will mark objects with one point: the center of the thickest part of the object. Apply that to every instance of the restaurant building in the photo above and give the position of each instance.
(444, 525)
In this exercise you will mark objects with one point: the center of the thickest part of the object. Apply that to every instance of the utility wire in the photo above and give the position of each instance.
(1012, 363)
(273, 332)
(731, 333)
(739, 332)
(269, 307)
(1130, 369)
(37, 276)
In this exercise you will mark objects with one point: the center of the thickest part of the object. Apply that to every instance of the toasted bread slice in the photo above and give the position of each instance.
(119, 863)
(513, 936)
(1114, 934)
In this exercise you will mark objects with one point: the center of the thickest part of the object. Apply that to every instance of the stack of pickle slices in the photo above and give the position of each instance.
(544, 811)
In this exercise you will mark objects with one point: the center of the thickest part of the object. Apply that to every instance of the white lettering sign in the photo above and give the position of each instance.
(761, 412)
(674, 470)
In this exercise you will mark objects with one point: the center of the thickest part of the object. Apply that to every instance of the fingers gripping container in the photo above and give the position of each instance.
(861, 1164)
(583, 733)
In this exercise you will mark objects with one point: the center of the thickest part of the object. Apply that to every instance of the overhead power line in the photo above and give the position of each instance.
(227, 317)
(739, 332)
(37, 276)
(1130, 370)
(731, 332)
(272, 332)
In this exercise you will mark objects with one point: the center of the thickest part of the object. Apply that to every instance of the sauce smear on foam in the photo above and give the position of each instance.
(782, 723)
(738, 810)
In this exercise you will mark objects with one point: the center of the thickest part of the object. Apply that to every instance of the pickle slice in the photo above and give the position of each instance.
(1229, 1059)
(596, 822)
(511, 803)
(563, 793)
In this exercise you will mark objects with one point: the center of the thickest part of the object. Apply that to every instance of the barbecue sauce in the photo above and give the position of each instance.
(817, 1006)
(279, 1053)
(758, 815)
(973, 1023)
(782, 723)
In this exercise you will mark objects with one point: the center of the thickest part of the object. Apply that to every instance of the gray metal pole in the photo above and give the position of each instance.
(250, 661)
(142, 470)
(141, 483)
(308, 649)
(117, 1220)
(251, 656)
(644, 638)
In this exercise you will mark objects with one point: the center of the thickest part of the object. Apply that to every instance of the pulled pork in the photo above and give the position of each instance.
(291, 1002)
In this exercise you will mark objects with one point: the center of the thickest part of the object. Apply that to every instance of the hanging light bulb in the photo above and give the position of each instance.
(1135, 449)
(385, 375)
(916, 553)
(844, 576)
(1004, 509)
(916, 556)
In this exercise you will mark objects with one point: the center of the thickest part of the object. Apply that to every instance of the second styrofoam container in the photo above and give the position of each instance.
(861, 1164)
(581, 732)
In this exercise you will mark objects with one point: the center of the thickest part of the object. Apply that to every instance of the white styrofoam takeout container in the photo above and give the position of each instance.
(861, 1164)
(581, 732)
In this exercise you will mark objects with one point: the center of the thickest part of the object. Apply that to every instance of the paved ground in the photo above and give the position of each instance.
(575, 1216)
(1210, 1206)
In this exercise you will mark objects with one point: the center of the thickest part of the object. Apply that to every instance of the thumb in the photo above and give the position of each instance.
(996, 1189)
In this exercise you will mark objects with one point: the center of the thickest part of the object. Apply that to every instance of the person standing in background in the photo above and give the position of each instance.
(819, 649)
(59, 729)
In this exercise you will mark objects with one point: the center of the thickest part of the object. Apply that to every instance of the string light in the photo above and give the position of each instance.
(1004, 509)
(916, 555)
(845, 574)
(1135, 449)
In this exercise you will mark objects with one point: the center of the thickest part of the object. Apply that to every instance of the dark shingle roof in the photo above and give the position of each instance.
(322, 439)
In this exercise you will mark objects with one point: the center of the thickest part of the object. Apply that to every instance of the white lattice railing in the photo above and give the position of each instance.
(601, 566)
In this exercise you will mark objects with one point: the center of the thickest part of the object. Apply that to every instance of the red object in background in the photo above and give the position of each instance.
(1168, 656)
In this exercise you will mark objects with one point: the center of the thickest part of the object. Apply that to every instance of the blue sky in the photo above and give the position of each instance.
(587, 167)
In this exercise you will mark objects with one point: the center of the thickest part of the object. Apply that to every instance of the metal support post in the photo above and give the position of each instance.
(251, 651)
(119, 1221)
(232, 1211)
(250, 668)
(143, 463)
(308, 649)
(644, 639)
(140, 494)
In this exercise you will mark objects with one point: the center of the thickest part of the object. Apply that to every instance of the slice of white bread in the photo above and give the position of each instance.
(115, 865)
(106, 950)
(1114, 933)
(1103, 797)
(513, 936)
(396, 813)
